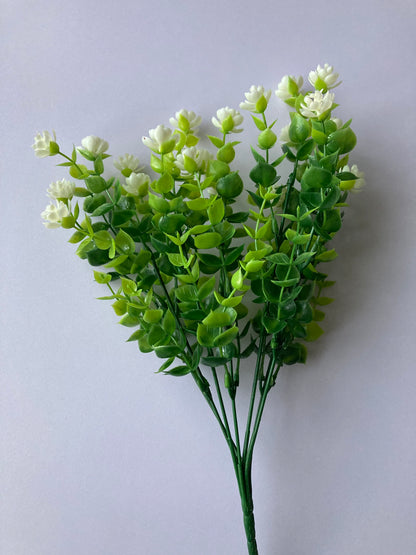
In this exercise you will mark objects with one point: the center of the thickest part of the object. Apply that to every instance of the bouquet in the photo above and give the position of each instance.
(204, 280)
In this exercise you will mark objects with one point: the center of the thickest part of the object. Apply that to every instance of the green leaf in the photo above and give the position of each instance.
(230, 301)
(206, 288)
(198, 204)
(124, 243)
(257, 157)
(167, 351)
(152, 315)
(119, 307)
(313, 331)
(304, 258)
(287, 276)
(263, 174)
(298, 129)
(76, 237)
(208, 240)
(327, 256)
(323, 301)
(103, 209)
(102, 277)
(195, 315)
(219, 318)
(96, 184)
(103, 239)
(178, 371)
(166, 364)
(186, 293)
(331, 197)
(176, 259)
(79, 172)
(315, 178)
(129, 321)
(230, 186)
(93, 202)
(81, 192)
(238, 217)
(297, 238)
(304, 312)
(117, 261)
(169, 323)
(226, 337)
(206, 336)
(259, 123)
(296, 352)
(216, 141)
(171, 223)
(158, 204)
(233, 255)
(305, 150)
(136, 335)
(278, 258)
(288, 217)
(210, 260)
(84, 246)
(164, 184)
(214, 361)
(216, 211)
(129, 286)
(120, 217)
(98, 165)
(318, 315)
(237, 280)
(343, 140)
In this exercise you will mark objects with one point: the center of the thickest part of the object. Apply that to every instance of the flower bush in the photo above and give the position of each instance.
(205, 284)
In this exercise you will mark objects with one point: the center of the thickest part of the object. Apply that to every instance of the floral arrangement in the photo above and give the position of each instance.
(204, 283)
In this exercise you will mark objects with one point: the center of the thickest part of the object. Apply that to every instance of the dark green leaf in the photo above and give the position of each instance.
(178, 371)
(167, 351)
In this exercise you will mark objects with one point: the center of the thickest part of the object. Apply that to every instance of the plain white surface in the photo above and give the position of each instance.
(101, 456)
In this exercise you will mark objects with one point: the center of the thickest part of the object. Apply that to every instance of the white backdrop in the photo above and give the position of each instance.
(100, 456)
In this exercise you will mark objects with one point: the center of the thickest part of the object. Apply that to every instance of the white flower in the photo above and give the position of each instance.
(227, 120)
(256, 99)
(42, 144)
(135, 182)
(192, 159)
(284, 134)
(316, 103)
(94, 145)
(161, 139)
(127, 162)
(53, 214)
(289, 87)
(353, 185)
(61, 189)
(186, 121)
(337, 122)
(323, 78)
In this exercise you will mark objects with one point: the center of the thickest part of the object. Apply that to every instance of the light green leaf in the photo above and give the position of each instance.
(208, 240)
(226, 337)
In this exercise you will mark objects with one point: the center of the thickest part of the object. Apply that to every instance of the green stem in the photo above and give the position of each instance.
(253, 393)
(224, 413)
(260, 410)
(70, 159)
(290, 184)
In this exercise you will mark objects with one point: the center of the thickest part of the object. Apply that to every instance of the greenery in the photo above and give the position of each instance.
(203, 283)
